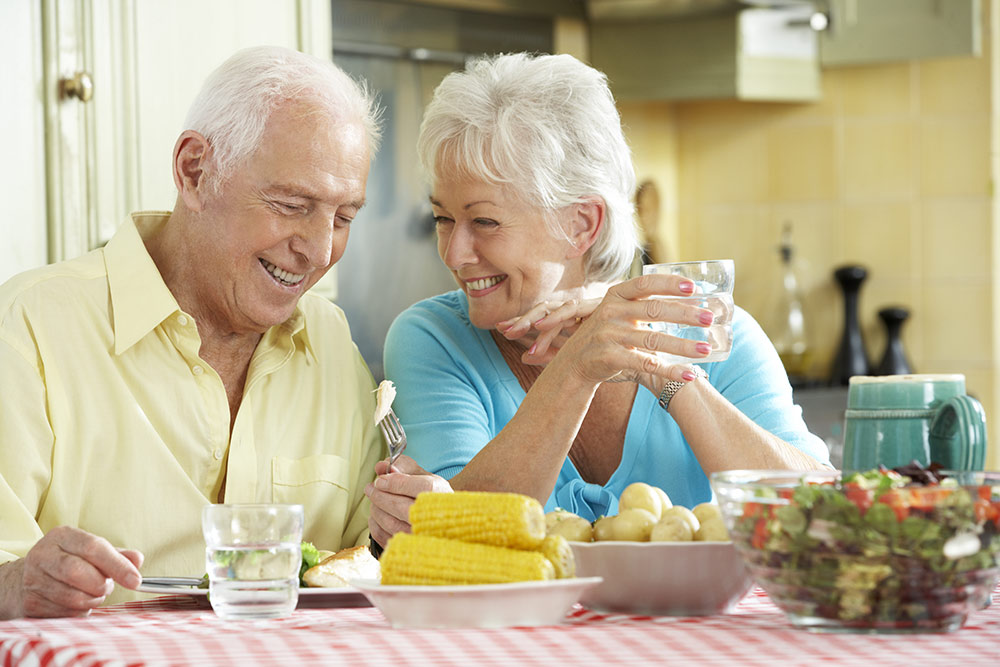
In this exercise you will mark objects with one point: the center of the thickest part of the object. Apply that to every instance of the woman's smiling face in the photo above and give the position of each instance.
(500, 250)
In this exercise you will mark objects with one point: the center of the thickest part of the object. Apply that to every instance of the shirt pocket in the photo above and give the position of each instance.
(319, 482)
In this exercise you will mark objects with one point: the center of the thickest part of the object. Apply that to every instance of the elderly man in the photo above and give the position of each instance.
(184, 363)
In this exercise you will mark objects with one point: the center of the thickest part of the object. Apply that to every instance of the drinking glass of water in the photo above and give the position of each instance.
(713, 289)
(252, 555)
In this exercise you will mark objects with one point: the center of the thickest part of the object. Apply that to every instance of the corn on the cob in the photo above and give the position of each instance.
(560, 554)
(421, 559)
(499, 519)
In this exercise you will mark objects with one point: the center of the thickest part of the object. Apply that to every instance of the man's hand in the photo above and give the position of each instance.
(394, 491)
(67, 573)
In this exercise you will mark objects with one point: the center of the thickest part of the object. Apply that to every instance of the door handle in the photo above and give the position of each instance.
(80, 86)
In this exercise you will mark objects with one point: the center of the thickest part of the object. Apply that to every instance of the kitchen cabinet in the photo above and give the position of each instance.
(658, 49)
(873, 31)
(750, 54)
(102, 98)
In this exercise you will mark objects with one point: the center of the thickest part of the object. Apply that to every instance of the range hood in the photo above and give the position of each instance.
(601, 10)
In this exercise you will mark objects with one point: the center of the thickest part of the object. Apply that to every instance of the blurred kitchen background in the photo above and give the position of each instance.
(853, 133)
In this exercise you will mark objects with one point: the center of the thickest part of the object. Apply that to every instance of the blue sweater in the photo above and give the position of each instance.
(455, 392)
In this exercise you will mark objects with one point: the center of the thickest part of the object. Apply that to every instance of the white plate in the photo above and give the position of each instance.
(308, 597)
(483, 606)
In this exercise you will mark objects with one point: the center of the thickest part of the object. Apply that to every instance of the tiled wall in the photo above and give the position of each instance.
(890, 170)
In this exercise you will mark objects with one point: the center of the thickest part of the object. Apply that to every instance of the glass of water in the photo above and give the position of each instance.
(252, 555)
(713, 289)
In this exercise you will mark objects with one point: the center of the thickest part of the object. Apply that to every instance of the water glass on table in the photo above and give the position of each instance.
(713, 280)
(252, 555)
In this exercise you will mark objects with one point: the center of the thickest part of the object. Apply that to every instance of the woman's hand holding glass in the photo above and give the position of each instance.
(611, 337)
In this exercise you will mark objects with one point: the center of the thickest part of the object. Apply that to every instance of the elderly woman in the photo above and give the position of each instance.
(540, 374)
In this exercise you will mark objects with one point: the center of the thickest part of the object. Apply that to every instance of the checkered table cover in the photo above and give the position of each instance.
(176, 630)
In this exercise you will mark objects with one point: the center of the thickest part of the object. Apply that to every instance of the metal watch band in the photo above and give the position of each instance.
(672, 387)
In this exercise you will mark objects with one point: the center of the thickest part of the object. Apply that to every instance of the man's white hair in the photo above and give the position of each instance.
(238, 98)
(547, 127)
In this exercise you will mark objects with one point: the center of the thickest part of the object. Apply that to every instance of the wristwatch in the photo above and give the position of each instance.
(672, 387)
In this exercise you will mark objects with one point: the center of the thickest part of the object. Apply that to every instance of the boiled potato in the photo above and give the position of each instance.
(706, 511)
(640, 495)
(571, 527)
(712, 530)
(556, 515)
(683, 513)
(604, 529)
(671, 529)
(664, 499)
(633, 525)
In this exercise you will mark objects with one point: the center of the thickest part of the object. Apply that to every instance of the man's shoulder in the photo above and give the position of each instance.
(50, 287)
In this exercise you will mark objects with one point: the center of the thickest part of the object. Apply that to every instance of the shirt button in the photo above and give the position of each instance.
(182, 320)
(197, 370)
(217, 454)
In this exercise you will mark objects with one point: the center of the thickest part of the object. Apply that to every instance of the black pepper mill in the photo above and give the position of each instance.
(851, 358)
(894, 360)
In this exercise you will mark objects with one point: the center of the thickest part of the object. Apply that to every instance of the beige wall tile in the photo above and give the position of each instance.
(878, 90)
(883, 236)
(802, 162)
(958, 238)
(954, 85)
(954, 155)
(725, 164)
(955, 330)
(878, 159)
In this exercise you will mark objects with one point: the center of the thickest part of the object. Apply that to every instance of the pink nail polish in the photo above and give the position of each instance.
(687, 287)
(531, 350)
(706, 317)
(688, 376)
(703, 348)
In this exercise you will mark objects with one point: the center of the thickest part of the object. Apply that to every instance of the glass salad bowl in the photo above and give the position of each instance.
(874, 552)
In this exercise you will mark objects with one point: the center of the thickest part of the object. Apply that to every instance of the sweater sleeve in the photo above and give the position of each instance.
(446, 386)
(754, 380)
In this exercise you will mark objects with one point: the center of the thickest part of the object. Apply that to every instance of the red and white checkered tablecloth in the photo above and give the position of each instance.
(177, 631)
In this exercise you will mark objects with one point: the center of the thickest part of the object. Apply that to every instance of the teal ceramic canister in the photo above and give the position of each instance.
(893, 420)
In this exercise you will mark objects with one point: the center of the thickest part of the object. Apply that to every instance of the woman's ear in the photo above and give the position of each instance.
(585, 221)
(190, 156)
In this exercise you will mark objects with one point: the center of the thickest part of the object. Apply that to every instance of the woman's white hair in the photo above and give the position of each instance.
(238, 98)
(547, 127)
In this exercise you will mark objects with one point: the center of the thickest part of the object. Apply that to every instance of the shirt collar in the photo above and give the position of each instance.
(141, 301)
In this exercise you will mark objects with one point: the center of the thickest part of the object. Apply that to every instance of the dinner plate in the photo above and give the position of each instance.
(481, 606)
(308, 597)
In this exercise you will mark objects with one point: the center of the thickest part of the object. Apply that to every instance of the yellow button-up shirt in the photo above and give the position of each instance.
(111, 422)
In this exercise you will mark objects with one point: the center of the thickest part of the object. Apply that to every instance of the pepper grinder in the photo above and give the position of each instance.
(851, 358)
(894, 360)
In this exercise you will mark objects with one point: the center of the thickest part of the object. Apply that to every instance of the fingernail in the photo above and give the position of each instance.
(539, 319)
(687, 287)
(531, 350)
(688, 376)
(132, 580)
(704, 348)
(706, 317)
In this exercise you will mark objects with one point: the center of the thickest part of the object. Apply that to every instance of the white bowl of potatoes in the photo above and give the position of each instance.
(656, 558)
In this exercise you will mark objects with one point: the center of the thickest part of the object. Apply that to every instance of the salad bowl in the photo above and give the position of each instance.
(874, 552)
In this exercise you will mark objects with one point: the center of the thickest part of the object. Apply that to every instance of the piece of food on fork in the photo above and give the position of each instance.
(384, 395)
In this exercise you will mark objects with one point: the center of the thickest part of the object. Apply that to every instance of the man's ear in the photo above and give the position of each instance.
(584, 224)
(190, 156)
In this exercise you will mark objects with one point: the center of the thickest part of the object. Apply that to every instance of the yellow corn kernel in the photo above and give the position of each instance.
(560, 554)
(499, 519)
(421, 559)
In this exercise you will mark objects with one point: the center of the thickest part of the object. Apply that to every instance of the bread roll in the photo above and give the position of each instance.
(338, 570)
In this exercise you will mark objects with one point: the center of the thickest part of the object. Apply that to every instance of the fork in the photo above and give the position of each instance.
(394, 436)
